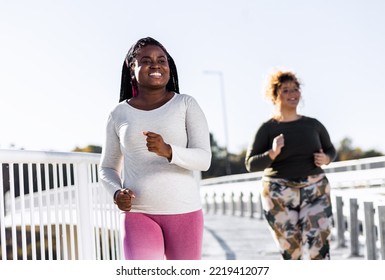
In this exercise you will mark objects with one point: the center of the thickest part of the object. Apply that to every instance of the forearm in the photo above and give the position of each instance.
(110, 179)
(191, 158)
(331, 153)
(111, 160)
(257, 162)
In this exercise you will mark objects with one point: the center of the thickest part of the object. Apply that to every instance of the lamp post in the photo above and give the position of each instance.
(224, 113)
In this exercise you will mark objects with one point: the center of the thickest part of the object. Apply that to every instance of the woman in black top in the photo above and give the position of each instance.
(290, 149)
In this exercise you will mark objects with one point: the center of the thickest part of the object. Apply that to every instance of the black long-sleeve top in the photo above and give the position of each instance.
(303, 138)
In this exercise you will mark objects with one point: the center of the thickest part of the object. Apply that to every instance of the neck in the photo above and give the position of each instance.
(152, 95)
(149, 100)
(286, 115)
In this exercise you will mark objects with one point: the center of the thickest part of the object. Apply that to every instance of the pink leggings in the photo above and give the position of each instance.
(158, 237)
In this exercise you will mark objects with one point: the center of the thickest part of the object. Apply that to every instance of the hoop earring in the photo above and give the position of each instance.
(134, 88)
(134, 91)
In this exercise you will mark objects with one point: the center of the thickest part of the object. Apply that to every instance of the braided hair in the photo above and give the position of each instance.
(128, 86)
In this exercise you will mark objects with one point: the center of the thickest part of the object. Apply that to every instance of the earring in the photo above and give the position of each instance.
(134, 91)
(134, 87)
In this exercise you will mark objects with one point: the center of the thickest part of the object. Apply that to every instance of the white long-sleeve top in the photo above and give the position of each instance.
(159, 186)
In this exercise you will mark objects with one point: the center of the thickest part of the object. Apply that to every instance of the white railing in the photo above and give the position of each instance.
(366, 174)
(52, 207)
(362, 180)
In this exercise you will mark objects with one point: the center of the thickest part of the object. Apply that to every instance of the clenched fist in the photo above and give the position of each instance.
(123, 199)
(156, 145)
(278, 144)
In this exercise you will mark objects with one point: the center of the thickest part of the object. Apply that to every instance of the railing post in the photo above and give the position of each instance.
(242, 204)
(381, 219)
(260, 207)
(215, 203)
(85, 227)
(251, 205)
(340, 223)
(370, 234)
(232, 204)
(2, 217)
(354, 228)
(223, 203)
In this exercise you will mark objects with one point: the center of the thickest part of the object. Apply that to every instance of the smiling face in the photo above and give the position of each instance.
(151, 68)
(288, 95)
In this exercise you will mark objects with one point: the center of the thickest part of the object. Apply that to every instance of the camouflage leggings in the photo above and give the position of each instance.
(299, 212)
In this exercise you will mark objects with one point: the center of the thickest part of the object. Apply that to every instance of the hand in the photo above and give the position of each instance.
(321, 158)
(123, 199)
(156, 145)
(278, 144)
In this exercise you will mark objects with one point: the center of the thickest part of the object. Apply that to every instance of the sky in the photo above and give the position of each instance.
(60, 65)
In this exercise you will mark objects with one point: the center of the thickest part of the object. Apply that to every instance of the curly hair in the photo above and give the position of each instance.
(276, 80)
(128, 86)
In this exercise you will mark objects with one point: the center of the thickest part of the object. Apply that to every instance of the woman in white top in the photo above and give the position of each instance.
(155, 139)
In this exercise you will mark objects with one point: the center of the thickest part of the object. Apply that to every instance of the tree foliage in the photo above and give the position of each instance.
(346, 151)
(222, 161)
(89, 149)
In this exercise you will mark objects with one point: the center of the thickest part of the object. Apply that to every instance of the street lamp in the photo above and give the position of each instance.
(223, 98)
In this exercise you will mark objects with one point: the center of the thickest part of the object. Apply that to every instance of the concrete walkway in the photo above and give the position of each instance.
(228, 237)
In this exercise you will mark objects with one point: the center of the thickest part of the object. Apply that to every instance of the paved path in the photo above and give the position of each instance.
(228, 237)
